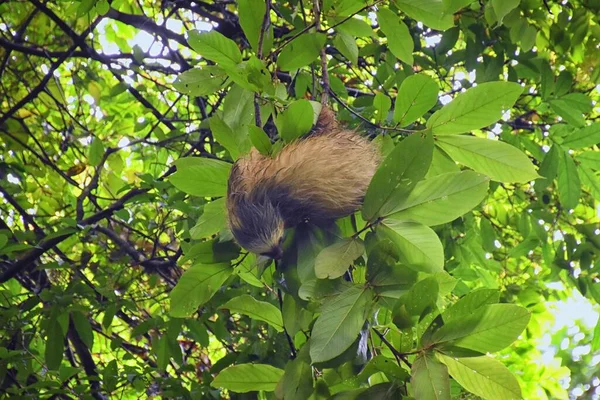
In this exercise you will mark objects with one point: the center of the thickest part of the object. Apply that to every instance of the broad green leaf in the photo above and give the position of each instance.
(297, 382)
(476, 108)
(200, 82)
(452, 6)
(339, 324)
(571, 107)
(212, 220)
(333, 261)
(245, 378)
(400, 171)
(419, 246)
(296, 120)
(400, 41)
(238, 111)
(382, 105)
(429, 378)
(498, 160)
(211, 252)
(213, 46)
(417, 300)
(591, 179)
(225, 136)
(417, 94)
(483, 376)
(430, 12)
(569, 186)
(442, 198)
(596, 338)
(301, 51)
(196, 286)
(3, 240)
(503, 7)
(160, 347)
(356, 27)
(251, 14)
(590, 158)
(441, 163)
(260, 140)
(202, 177)
(260, 310)
(388, 278)
(55, 344)
(584, 137)
(96, 152)
(472, 301)
(83, 328)
(488, 329)
(346, 44)
(548, 168)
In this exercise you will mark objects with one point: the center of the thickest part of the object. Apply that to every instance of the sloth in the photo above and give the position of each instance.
(318, 178)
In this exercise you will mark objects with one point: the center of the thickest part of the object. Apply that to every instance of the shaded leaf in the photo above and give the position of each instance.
(213, 46)
(400, 41)
(212, 220)
(430, 379)
(201, 176)
(333, 261)
(569, 185)
(196, 286)
(259, 310)
(301, 51)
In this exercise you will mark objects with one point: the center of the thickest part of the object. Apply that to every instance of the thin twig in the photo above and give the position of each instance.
(287, 335)
(396, 353)
(324, 73)
(266, 23)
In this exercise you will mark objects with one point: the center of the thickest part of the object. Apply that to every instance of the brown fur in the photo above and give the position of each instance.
(321, 177)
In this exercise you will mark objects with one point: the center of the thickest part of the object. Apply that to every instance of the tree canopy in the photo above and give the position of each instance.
(471, 271)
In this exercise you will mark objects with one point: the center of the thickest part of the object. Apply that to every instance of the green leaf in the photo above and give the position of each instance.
(245, 378)
(260, 140)
(196, 286)
(301, 51)
(503, 7)
(429, 378)
(590, 158)
(471, 302)
(478, 107)
(382, 105)
(346, 44)
(569, 186)
(200, 82)
(488, 329)
(483, 376)
(571, 107)
(202, 177)
(590, 179)
(409, 308)
(296, 120)
(297, 382)
(419, 246)
(596, 338)
(96, 152)
(417, 94)
(83, 328)
(355, 27)
(442, 198)
(213, 46)
(3, 240)
(333, 261)
(259, 310)
(55, 344)
(498, 160)
(212, 220)
(400, 171)
(251, 14)
(339, 324)
(584, 137)
(400, 41)
(431, 12)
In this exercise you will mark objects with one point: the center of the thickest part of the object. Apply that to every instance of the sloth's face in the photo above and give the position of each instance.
(258, 227)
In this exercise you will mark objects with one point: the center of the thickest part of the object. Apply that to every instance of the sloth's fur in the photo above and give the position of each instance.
(320, 177)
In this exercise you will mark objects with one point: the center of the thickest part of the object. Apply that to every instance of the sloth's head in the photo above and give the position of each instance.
(257, 225)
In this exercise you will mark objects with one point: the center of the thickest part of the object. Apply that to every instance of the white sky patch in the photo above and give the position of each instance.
(445, 99)
(506, 115)
(85, 141)
(88, 99)
(13, 179)
(123, 142)
(431, 41)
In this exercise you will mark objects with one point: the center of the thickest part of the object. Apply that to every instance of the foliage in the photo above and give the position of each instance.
(119, 122)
